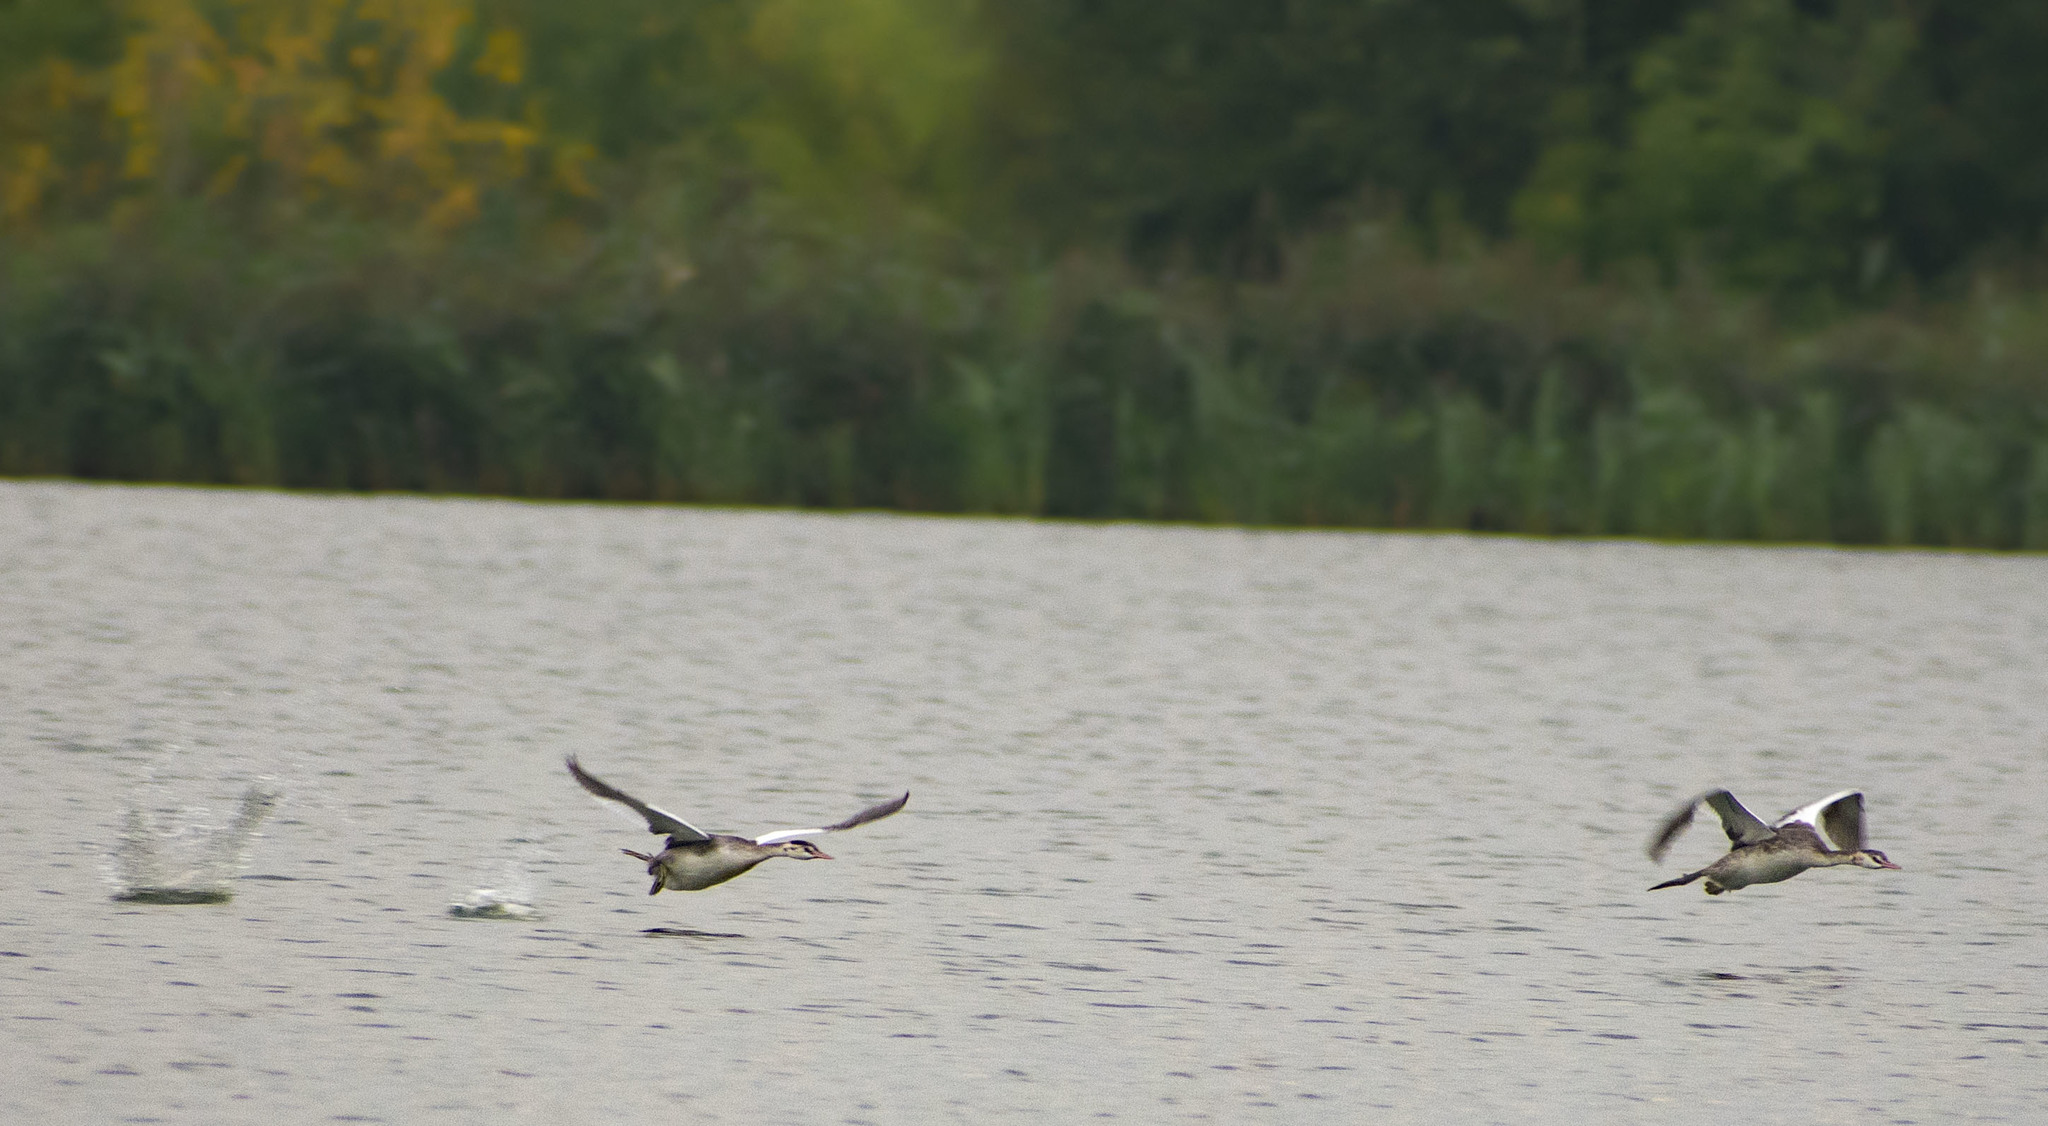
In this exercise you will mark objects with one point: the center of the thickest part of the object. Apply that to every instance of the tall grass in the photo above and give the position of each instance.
(749, 358)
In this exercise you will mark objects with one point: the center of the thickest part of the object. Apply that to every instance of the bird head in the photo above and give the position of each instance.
(801, 850)
(1871, 858)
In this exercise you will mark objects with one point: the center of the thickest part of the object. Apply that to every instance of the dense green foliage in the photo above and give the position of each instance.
(1741, 268)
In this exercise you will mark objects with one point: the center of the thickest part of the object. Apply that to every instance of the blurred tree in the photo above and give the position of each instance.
(49, 50)
(1803, 146)
(863, 95)
(1969, 164)
(1757, 146)
(832, 103)
(1216, 126)
(626, 77)
(1794, 146)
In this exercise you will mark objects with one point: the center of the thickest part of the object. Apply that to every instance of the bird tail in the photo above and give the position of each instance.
(1680, 881)
(651, 866)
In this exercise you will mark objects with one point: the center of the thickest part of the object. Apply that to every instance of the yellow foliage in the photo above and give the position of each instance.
(340, 104)
(22, 184)
(330, 101)
(503, 57)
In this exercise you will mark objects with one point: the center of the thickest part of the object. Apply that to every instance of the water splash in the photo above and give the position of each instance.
(180, 856)
(491, 903)
(511, 898)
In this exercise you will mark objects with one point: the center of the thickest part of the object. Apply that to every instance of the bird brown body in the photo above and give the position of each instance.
(1767, 854)
(696, 865)
(694, 860)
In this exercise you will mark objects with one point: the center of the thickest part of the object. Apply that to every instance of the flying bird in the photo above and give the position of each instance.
(1765, 854)
(693, 859)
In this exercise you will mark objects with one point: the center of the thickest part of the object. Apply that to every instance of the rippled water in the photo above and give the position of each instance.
(1206, 824)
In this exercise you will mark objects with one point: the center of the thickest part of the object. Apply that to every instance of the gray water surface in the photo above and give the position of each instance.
(1206, 825)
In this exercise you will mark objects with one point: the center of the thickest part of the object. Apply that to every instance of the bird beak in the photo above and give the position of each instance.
(1889, 864)
(821, 855)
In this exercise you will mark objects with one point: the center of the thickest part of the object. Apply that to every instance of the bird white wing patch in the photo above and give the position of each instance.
(780, 835)
(872, 813)
(1810, 812)
(1837, 817)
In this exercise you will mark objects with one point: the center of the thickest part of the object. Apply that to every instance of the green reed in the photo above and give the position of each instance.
(760, 362)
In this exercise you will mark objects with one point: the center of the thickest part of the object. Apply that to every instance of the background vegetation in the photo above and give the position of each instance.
(1723, 268)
